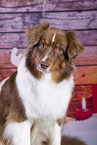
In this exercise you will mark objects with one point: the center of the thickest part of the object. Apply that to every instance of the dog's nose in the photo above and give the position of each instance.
(44, 65)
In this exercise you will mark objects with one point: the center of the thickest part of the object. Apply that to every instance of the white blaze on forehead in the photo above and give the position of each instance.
(53, 39)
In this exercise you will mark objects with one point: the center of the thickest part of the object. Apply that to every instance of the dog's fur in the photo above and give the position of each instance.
(34, 100)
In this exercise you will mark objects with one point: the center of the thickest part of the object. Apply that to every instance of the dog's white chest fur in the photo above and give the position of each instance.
(43, 98)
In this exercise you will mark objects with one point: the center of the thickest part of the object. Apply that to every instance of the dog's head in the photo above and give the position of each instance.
(52, 51)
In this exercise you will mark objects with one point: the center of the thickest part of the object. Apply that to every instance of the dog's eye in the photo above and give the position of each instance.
(60, 51)
(42, 45)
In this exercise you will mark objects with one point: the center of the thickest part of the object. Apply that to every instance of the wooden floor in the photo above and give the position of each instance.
(78, 15)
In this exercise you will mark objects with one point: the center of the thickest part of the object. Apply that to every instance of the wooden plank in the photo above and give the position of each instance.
(4, 73)
(59, 5)
(85, 75)
(71, 5)
(10, 40)
(5, 58)
(80, 92)
(89, 57)
(86, 37)
(73, 20)
(62, 20)
(16, 3)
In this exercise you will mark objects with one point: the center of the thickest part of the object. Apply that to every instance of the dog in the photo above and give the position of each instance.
(35, 99)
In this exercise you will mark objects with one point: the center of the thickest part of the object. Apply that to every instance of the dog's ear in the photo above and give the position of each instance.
(33, 34)
(74, 46)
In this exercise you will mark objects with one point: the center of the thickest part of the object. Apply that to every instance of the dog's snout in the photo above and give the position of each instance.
(44, 65)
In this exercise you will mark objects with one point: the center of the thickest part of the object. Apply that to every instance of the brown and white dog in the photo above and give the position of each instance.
(34, 100)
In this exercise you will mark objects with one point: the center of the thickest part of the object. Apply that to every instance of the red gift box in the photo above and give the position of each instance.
(83, 114)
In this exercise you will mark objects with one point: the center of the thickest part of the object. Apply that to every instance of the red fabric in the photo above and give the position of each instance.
(94, 94)
(82, 114)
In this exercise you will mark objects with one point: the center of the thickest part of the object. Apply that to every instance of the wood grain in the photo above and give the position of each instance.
(72, 20)
(88, 57)
(4, 73)
(10, 40)
(17, 22)
(59, 5)
(5, 58)
(86, 75)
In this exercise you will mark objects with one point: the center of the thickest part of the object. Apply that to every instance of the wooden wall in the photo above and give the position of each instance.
(79, 15)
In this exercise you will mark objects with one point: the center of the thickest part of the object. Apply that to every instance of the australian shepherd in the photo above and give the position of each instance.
(35, 99)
